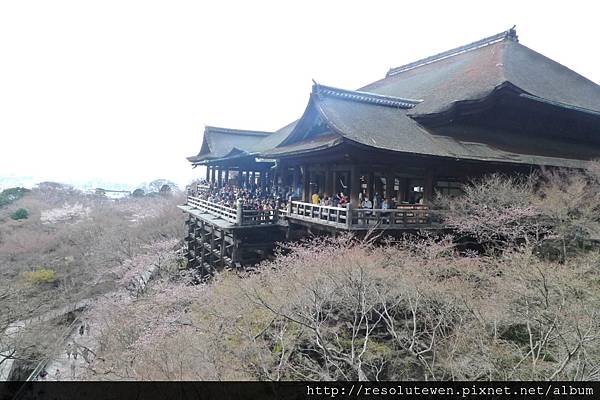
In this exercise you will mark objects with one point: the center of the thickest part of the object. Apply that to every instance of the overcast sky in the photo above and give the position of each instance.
(121, 90)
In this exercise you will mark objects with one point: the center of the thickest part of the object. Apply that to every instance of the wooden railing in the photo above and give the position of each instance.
(360, 218)
(227, 213)
(259, 217)
(329, 215)
(238, 216)
(401, 217)
(404, 216)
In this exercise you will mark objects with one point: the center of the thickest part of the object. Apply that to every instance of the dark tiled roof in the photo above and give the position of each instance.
(510, 34)
(318, 143)
(393, 129)
(385, 114)
(474, 71)
(220, 142)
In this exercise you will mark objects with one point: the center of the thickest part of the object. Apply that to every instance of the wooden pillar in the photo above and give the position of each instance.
(253, 178)
(403, 190)
(428, 187)
(267, 181)
(305, 184)
(328, 190)
(370, 184)
(212, 174)
(354, 186)
(219, 177)
(207, 173)
(202, 240)
(390, 180)
(378, 186)
(334, 182)
(295, 179)
(227, 176)
(239, 207)
(246, 178)
(222, 249)
(212, 245)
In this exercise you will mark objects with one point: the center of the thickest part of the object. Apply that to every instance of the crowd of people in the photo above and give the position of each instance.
(254, 197)
(340, 200)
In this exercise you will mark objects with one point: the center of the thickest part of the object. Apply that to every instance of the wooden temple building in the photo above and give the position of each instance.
(490, 106)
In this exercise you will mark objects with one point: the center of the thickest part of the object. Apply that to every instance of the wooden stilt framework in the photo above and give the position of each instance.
(211, 248)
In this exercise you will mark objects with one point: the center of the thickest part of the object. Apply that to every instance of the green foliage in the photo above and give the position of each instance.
(182, 263)
(11, 195)
(21, 213)
(40, 275)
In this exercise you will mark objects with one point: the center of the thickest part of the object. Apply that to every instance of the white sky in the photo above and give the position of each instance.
(121, 90)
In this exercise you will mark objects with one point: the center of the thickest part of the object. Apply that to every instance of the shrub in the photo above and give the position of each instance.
(40, 275)
(10, 195)
(21, 213)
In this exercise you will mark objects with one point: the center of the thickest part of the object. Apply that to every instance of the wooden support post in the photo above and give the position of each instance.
(390, 181)
(378, 186)
(239, 220)
(190, 241)
(212, 174)
(428, 187)
(219, 177)
(295, 179)
(306, 184)
(370, 184)
(349, 216)
(235, 251)
(334, 183)
(212, 245)
(202, 241)
(403, 190)
(226, 176)
(261, 180)
(354, 186)
(328, 190)
(207, 173)
(222, 249)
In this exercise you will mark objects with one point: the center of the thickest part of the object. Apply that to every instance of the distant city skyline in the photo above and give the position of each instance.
(120, 91)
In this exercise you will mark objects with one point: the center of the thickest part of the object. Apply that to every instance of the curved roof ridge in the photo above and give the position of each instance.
(232, 131)
(364, 97)
(510, 34)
